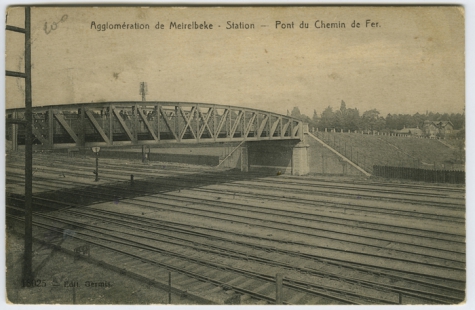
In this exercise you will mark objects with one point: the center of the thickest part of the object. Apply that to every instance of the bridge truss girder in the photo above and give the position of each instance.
(135, 123)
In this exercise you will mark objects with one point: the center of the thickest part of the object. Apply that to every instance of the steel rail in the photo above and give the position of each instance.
(167, 226)
(327, 181)
(174, 208)
(405, 200)
(137, 276)
(163, 223)
(215, 204)
(338, 185)
(359, 188)
(347, 205)
(208, 201)
(400, 186)
(240, 255)
(406, 292)
(237, 254)
(228, 178)
(359, 223)
(256, 275)
(380, 267)
(347, 195)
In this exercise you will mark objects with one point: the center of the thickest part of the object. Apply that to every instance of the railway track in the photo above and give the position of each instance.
(116, 192)
(455, 189)
(249, 208)
(307, 196)
(187, 263)
(106, 222)
(350, 249)
(439, 279)
(161, 206)
(332, 189)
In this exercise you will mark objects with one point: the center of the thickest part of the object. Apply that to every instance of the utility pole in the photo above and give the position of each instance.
(28, 251)
(96, 150)
(97, 168)
(143, 90)
(28, 269)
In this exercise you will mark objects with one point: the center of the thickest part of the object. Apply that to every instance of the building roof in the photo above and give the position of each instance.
(409, 131)
(439, 124)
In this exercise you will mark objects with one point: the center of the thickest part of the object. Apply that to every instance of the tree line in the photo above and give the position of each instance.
(350, 119)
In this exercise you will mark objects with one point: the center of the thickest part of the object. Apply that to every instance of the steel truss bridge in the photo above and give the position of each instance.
(112, 124)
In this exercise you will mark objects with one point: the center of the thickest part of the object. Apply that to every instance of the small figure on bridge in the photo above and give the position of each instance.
(123, 115)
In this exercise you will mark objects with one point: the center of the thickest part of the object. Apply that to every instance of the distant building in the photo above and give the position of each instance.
(410, 131)
(434, 129)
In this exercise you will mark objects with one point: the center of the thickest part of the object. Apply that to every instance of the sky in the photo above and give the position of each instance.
(413, 61)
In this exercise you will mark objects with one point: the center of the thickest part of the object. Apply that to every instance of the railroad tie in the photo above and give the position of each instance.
(245, 297)
(263, 287)
(187, 281)
(235, 280)
(201, 286)
(314, 300)
(215, 290)
(296, 298)
(179, 277)
(201, 269)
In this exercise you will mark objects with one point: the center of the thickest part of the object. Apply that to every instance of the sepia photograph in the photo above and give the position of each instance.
(235, 155)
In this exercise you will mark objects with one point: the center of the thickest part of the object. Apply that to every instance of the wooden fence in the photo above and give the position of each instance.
(416, 174)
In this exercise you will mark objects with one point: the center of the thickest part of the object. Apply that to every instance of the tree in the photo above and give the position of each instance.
(371, 120)
(296, 113)
(341, 116)
(315, 119)
(391, 121)
(458, 120)
(327, 120)
(418, 120)
(315, 116)
(353, 119)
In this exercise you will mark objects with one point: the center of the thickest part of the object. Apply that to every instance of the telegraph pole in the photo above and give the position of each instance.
(28, 251)
(28, 269)
(96, 150)
(143, 90)
(97, 167)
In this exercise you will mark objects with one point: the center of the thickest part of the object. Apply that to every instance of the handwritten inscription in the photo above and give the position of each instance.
(54, 25)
